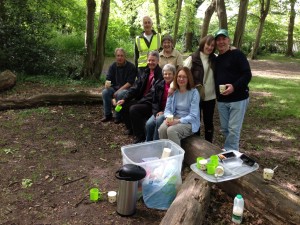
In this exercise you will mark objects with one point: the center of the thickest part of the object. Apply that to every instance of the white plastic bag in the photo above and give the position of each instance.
(160, 185)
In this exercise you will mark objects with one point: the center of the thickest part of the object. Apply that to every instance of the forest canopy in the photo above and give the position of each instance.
(48, 37)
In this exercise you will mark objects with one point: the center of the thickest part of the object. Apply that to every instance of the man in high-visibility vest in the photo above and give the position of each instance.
(148, 41)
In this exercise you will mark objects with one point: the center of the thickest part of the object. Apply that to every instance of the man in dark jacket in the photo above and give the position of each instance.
(232, 70)
(137, 103)
(121, 75)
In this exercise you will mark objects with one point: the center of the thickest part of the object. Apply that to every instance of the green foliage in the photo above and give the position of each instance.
(281, 58)
(118, 35)
(282, 98)
(26, 28)
(68, 43)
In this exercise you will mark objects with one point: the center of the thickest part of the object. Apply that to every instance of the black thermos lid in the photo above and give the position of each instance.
(131, 172)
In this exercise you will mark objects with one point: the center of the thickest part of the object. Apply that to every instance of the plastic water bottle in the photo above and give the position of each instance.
(238, 209)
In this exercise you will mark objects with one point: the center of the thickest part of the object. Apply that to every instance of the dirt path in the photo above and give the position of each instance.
(267, 68)
(261, 68)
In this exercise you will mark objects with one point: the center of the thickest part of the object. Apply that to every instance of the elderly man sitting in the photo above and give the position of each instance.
(121, 75)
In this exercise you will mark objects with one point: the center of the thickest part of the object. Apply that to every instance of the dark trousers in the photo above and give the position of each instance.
(139, 114)
(207, 113)
(125, 113)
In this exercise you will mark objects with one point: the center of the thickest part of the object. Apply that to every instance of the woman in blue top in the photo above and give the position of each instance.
(184, 106)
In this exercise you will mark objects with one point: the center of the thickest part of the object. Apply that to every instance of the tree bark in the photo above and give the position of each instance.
(264, 9)
(191, 10)
(272, 202)
(290, 42)
(191, 202)
(208, 14)
(100, 44)
(240, 25)
(51, 99)
(222, 15)
(88, 63)
(156, 4)
(176, 24)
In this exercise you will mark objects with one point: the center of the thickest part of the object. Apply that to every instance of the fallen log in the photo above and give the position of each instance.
(191, 202)
(193, 198)
(274, 204)
(51, 99)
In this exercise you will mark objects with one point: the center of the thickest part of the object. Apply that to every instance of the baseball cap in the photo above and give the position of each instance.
(223, 32)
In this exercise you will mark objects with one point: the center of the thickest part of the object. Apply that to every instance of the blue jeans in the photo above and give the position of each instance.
(107, 96)
(152, 125)
(231, 118)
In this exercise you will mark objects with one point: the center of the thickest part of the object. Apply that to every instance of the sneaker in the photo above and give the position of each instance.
(139, 140)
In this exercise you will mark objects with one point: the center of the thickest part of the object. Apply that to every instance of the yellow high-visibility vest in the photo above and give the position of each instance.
(143, 48)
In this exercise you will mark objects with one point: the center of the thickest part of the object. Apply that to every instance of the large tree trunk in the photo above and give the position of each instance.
(240, 25)
(289, 50)
(222, 15)
(208, 14)
(275, 204)
(88, 63)
(264, 9)
(156, 4)
(190, 11)
(51, 99)
(100, 44)
(176, 24)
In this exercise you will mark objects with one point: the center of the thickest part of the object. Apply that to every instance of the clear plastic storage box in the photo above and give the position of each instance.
(148, 153)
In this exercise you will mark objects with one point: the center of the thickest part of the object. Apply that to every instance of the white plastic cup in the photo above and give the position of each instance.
(222, 88)
(107, 83)
(170, 118)
(219, 171)
(166, 153)
(202, 164)
(112, 196)
(268, 174)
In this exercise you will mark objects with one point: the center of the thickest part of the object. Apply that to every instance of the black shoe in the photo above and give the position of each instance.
(106, 119)
(117, 121)
(138, 140)
(128, 132)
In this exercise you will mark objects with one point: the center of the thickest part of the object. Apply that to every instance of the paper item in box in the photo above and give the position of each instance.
(149, 159)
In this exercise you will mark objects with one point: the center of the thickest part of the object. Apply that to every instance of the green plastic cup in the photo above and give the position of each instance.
(210, 168)
(214, 159)
(118, 108)
(94, 194)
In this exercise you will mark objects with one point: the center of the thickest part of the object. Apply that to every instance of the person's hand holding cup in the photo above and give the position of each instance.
(169, 118)
(222, 88)
(107, 84)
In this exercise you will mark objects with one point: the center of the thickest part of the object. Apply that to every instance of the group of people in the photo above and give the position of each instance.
(161, 84)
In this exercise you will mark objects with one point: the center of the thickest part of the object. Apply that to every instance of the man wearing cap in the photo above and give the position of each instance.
(232, 69)
(148, 41)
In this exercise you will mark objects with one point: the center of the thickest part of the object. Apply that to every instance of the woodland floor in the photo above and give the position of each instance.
(63, 151)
